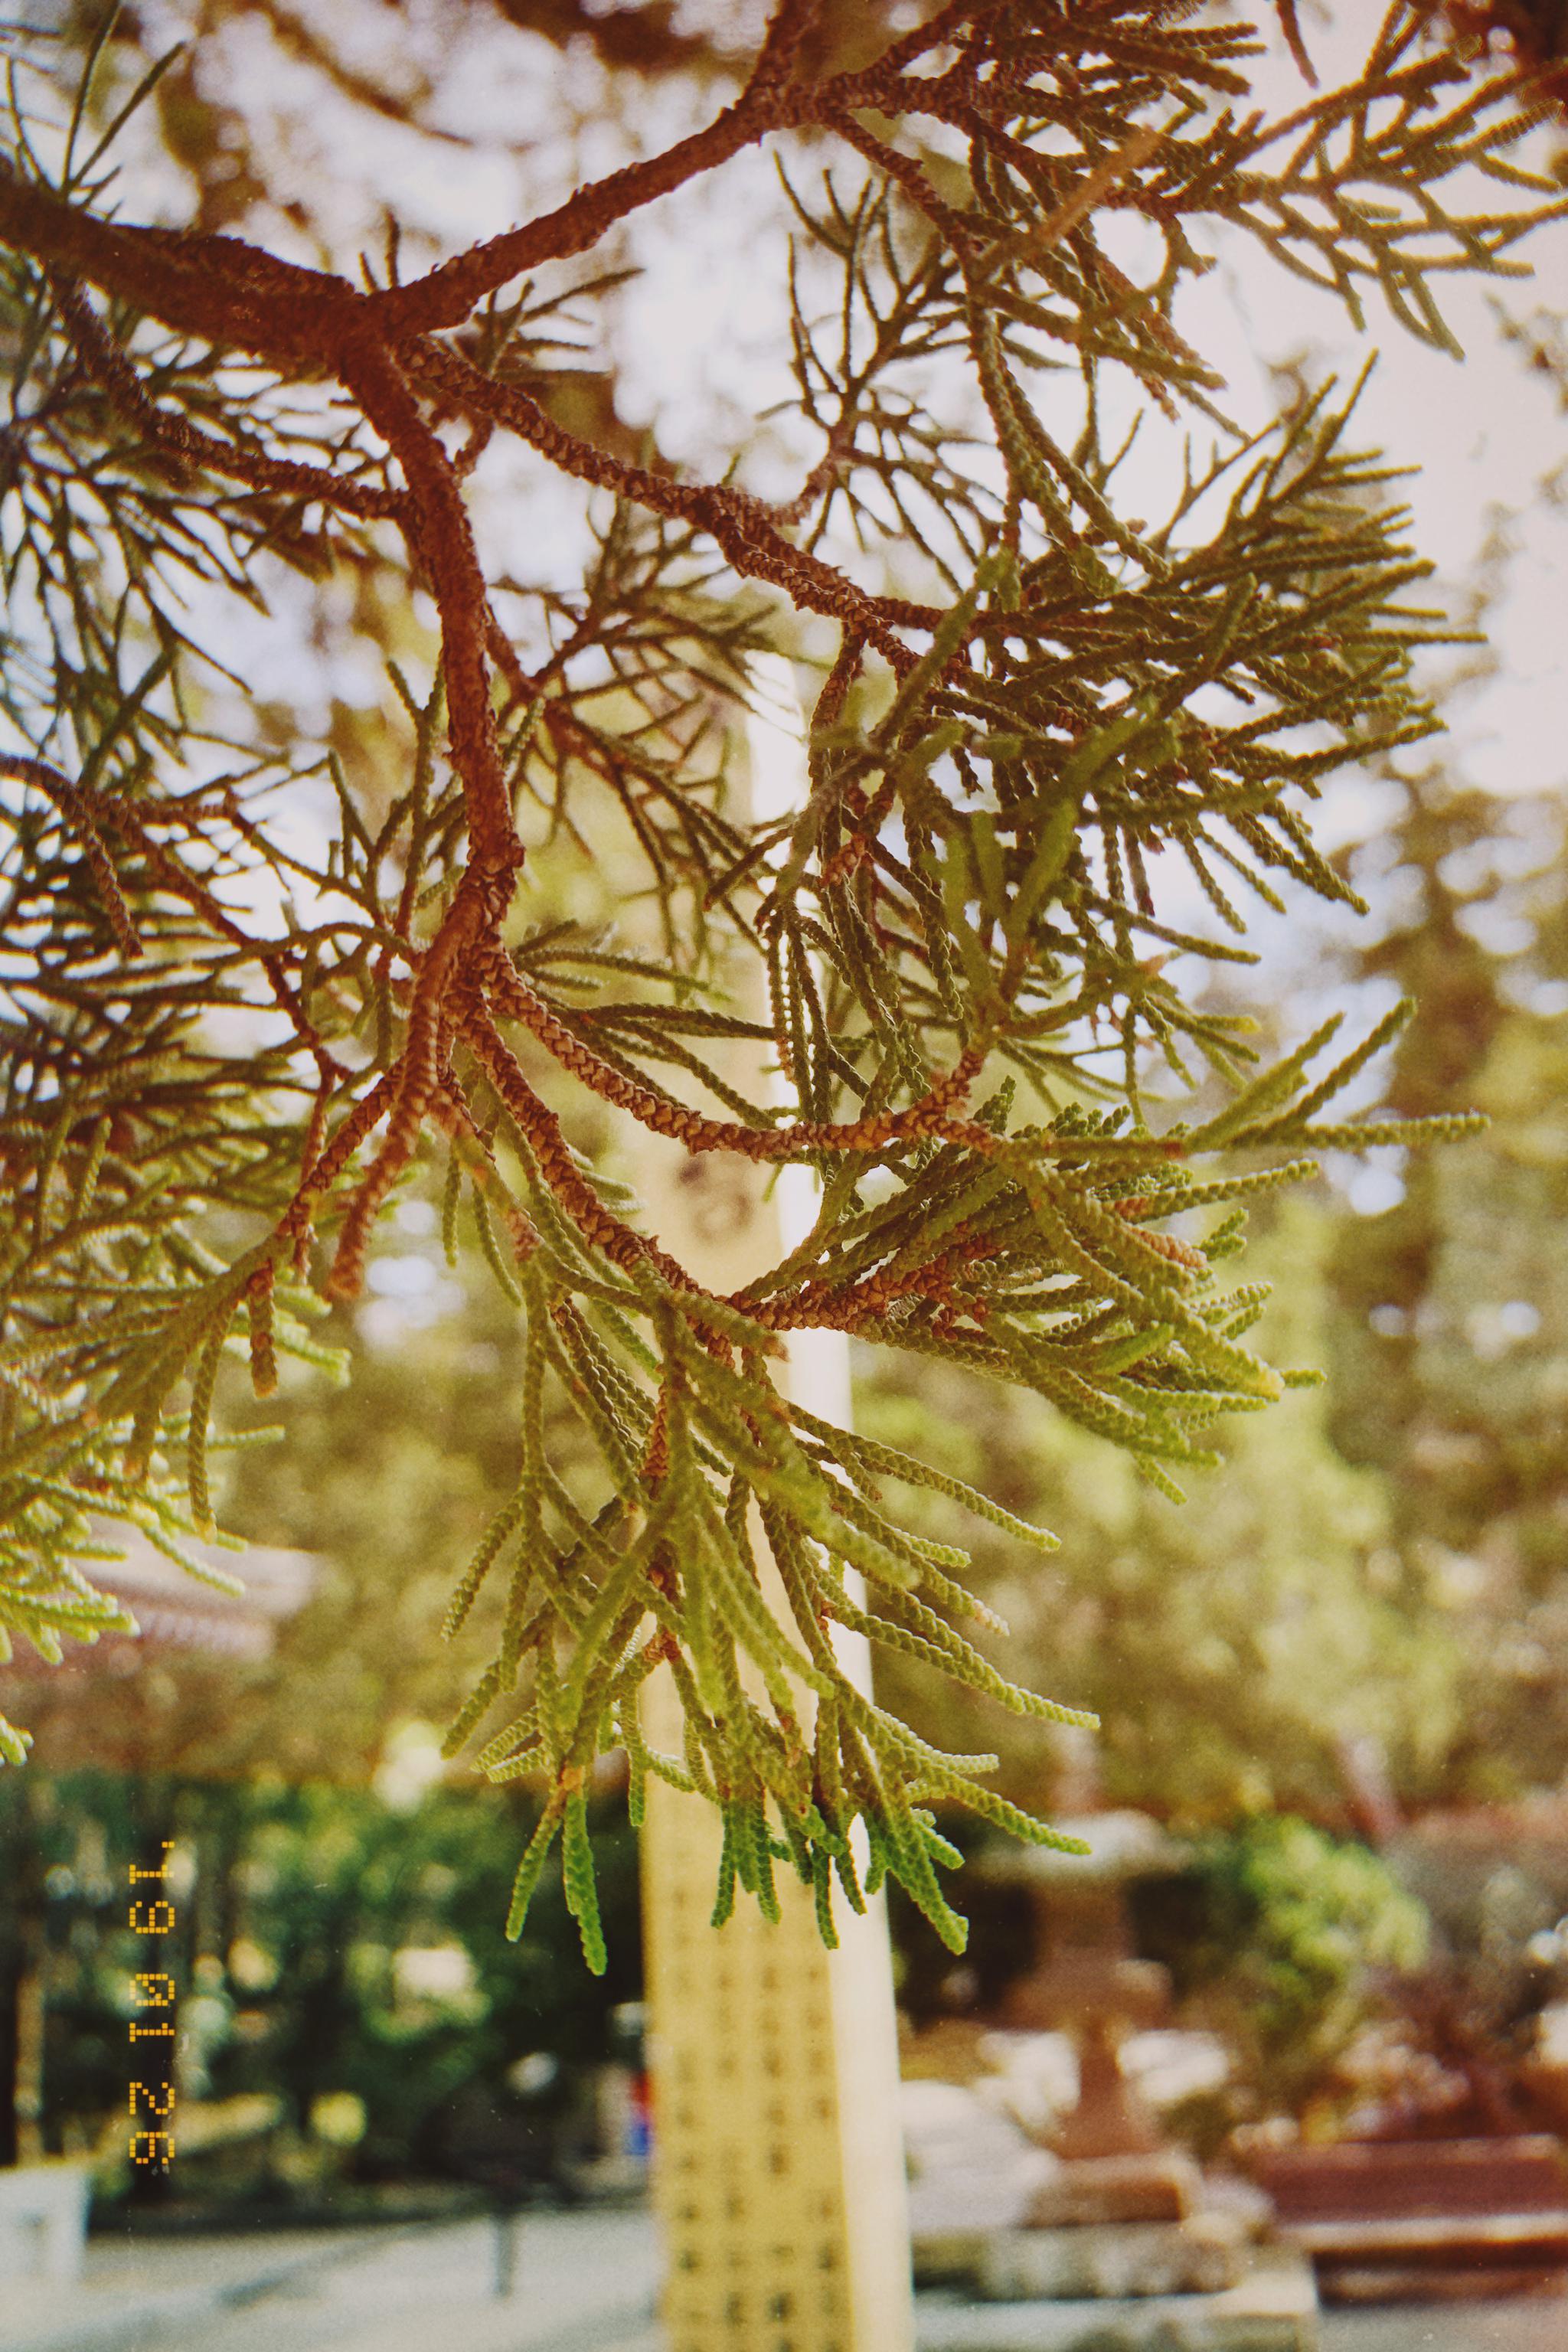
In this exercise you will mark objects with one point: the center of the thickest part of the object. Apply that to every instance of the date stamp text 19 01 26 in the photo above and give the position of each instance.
(153, 1993)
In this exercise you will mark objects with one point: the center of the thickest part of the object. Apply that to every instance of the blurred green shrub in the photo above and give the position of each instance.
(1281, 1937)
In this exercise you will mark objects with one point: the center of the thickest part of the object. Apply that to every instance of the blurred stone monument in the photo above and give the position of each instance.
(1072, 2222)
(1124, 2212)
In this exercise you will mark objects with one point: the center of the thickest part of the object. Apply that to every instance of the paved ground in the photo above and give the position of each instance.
(1525, 2324)
(581, 2282)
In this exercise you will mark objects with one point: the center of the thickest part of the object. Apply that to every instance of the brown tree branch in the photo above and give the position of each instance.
(416, 1075)
(75, 807)
(216, 286)
(86, 813)
(745, 528)
(377, 346)
(441, 538)
(180, 439)
(930, 1115)
(446, 295)
(325, 1169)
(540, 1130)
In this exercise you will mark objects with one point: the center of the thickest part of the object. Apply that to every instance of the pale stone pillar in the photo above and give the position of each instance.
(778, 2174)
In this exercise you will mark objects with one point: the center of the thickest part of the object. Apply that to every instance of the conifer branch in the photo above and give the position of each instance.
(958, 953)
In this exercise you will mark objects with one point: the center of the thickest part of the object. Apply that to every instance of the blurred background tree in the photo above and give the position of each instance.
(1449, 1333)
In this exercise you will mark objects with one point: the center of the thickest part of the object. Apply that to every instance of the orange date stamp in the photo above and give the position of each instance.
(153, 1995)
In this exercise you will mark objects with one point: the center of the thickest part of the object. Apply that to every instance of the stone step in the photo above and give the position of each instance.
(1200, 2256)
(1274, 2309)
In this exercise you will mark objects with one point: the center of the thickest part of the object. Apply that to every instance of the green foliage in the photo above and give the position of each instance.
(1279, 1932)
(246, 941)
(383, 1481)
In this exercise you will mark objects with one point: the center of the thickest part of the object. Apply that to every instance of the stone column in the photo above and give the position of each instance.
(778, 2170)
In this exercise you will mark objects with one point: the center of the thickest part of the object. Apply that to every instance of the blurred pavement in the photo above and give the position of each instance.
(1523, 2323)
(581, 2282)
